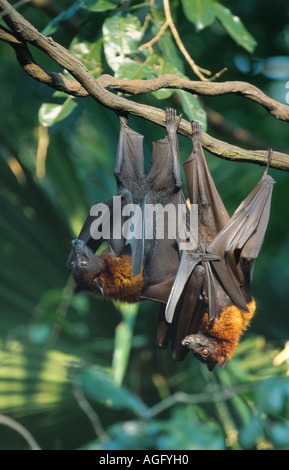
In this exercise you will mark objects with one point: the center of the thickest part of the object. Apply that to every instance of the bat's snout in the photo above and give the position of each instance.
(78, 246)
(77, 243)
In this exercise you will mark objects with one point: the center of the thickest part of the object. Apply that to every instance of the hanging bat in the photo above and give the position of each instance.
(132, 269)
(194, 287)
(226, 296)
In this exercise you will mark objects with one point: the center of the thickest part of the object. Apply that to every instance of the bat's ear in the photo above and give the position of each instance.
(77, 289)
(211, 365)
(222, 361)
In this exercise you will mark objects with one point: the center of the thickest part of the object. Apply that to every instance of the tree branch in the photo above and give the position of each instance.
(23, 32)
(57, 81)
(244, 89)
(11, 423)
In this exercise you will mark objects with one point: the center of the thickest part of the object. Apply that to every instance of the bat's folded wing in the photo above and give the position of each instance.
(129, 164)
(240, 241)
(212, 214)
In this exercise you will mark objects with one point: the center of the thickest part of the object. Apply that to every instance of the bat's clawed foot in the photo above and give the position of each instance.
(196, 132)
(171, 124)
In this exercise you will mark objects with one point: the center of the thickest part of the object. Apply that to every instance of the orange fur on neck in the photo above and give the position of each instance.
(117, 281)
(226, 331)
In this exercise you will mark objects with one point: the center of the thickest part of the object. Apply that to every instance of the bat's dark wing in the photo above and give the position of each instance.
(163, 191)
(129, 164)
(235, 243)
(137, 193)
(105, 221)
(240, 241)
(212, 214)
(212, 217)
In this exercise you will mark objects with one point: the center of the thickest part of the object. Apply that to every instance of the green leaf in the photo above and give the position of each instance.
(102, 5)
(234, 27)
(130, 70)
(272, 394)
(190, 103)
(188, 430)
(123, 340)
(38, 333)
(99, 385)
(90, 53)
(192, 108)
(279, 434)
(50, 113)
(199, 12)
(252, 432)
(121, 36)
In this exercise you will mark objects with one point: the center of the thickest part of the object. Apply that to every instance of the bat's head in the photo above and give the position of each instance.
(85, 267)
(205, 349)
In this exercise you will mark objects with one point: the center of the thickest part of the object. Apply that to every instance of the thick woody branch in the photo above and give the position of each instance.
(57, 81)
(246, 90)
(22, 32)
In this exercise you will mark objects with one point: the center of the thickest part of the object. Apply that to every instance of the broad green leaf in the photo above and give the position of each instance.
(39, 333)
(102, 5)
(234, 27)
(90, 54)
(100, 386)
(279, 434)
(273, 394)
(130, 70)
(191, 105)
(252, 431)
(32, 379)
(138, 71)
(121, 36)
(50, 113)
(199, 12)
(192, 108)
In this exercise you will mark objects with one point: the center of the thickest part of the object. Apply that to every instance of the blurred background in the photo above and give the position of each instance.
(82, 373)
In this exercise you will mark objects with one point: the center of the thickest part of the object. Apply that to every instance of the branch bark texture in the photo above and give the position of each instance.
(21, 33)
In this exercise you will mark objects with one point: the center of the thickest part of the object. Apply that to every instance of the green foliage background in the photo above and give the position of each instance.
(80, 373)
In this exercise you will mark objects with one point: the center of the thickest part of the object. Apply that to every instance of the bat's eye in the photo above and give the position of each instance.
(205, 352)
(83, 263)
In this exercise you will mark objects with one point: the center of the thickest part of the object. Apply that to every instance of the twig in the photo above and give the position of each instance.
(198, 398)
(11, 423)
(148, 17)
(16, 5)
(150, 43)
(89, 411)
(198, 70)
